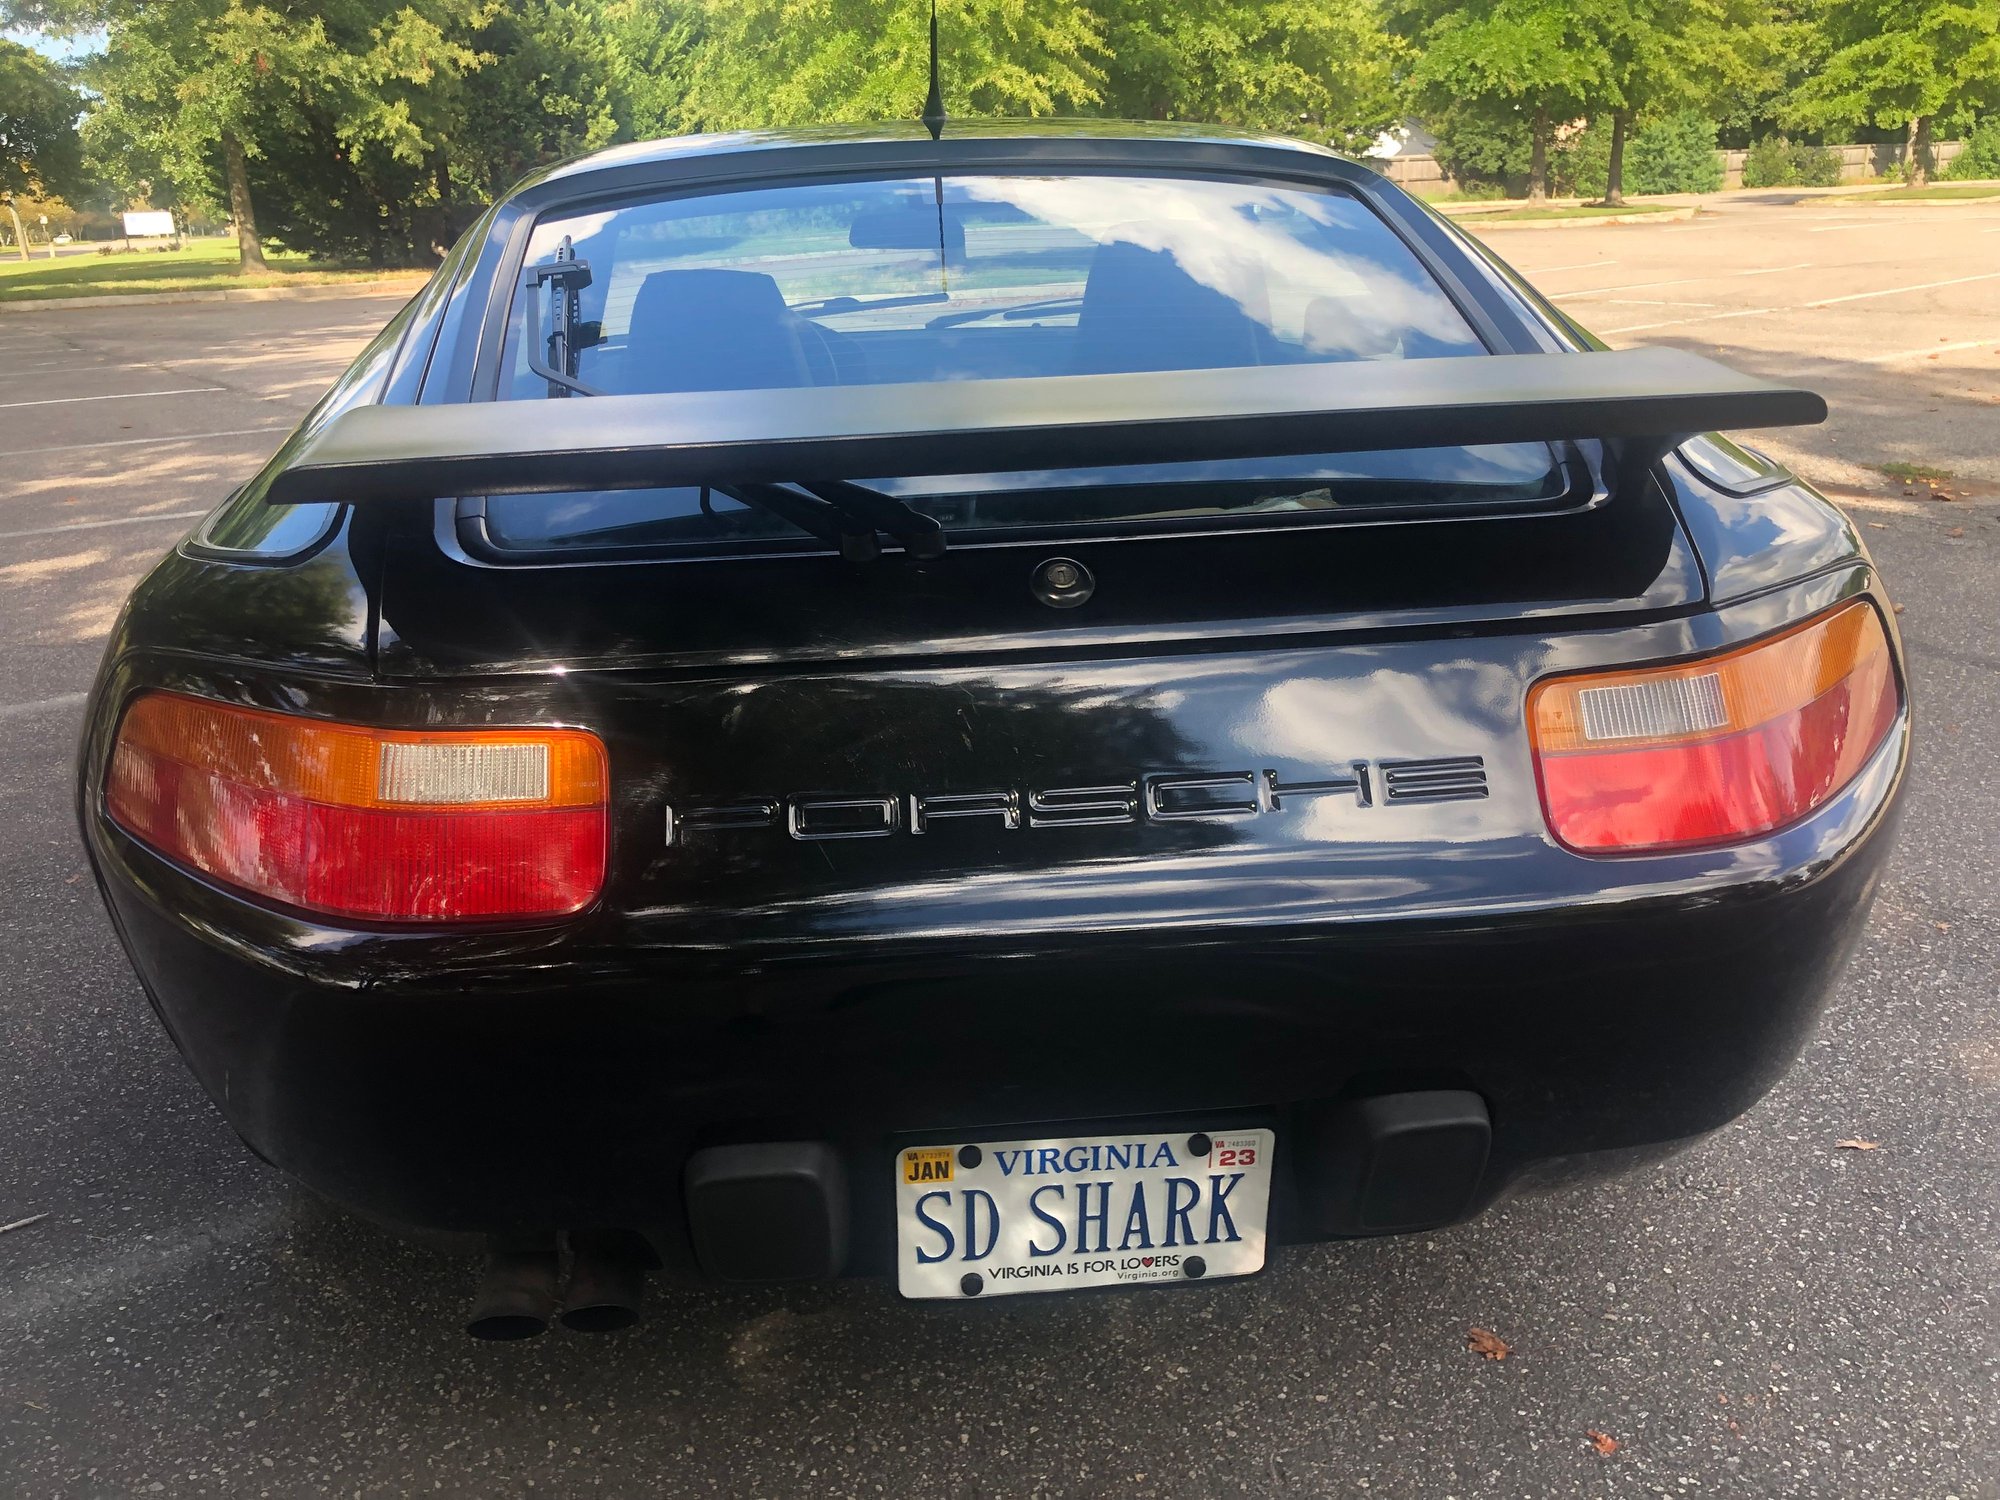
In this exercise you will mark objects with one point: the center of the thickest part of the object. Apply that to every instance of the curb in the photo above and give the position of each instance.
(322, 290)
(1663, 216)
(1925, 202)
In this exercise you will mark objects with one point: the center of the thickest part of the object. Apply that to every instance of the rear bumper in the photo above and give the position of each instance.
(554, 1094)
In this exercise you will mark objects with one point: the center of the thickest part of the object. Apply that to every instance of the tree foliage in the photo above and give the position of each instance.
(1981, 157)
(1901, 63)
(376, 129)
(793, 62)
(40, 151)
(1324, 68)
(1542, 60)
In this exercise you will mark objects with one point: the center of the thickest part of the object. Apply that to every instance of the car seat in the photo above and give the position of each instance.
(1142, 310)
(712, 330)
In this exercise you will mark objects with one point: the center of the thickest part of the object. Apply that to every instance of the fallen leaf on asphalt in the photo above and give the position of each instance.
(1485, 1341)
(1603, 1442)
(1877, 526)
(1857, 1145)
(1942, 926)
(1899, 609)
(1956, 531)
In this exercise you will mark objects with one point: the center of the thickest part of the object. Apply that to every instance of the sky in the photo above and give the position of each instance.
(61, 48)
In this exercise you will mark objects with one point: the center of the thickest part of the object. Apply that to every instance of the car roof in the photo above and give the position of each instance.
(990, 133)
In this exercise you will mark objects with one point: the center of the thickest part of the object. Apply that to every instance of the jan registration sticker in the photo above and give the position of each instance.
(927, 1164)
(1001, 1217)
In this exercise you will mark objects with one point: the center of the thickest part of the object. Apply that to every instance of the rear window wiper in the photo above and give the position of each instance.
(847, 516)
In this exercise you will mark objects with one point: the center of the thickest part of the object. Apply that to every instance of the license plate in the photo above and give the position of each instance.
(999, 1217)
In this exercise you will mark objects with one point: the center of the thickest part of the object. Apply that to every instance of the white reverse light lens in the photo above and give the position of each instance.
(464, 773)
(1662, 708)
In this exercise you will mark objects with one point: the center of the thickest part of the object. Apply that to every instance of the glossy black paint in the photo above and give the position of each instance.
(747, 985)
(412, 454)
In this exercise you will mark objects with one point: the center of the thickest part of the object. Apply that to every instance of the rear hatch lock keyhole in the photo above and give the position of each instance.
(1062, 583)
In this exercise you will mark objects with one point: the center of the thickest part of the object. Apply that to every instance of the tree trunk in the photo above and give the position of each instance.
(1614, 177)
(1538, 159)
(20, 234)
(440, 235)
(249, 249)
(1917, 167)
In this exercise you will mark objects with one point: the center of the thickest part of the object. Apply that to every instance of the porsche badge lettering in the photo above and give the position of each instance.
(1166, 797)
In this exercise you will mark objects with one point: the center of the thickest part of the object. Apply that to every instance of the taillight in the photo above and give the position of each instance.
(370, 824)
(1718, 750)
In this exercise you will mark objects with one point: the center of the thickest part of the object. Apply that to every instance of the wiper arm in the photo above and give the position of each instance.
(847, 516)
(921, 535)
(839, 528)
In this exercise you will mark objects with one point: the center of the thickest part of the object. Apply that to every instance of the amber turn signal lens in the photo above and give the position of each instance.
(366, 824)
(1718, 750)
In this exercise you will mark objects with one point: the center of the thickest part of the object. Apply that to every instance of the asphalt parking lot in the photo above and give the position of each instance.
(1766, 1315)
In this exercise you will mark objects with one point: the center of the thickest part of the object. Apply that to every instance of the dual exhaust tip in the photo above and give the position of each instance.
(523, 1291)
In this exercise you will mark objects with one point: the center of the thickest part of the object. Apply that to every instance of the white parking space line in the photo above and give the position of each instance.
(40, 706)
(1582, 265)
(1640, 286)
(185, 437)
(186, 390)
(1654, 302)
(1836, 228)
(1747, 312)
(165, 515)
(1892, 291)
(1884, 359)
(1754, 312)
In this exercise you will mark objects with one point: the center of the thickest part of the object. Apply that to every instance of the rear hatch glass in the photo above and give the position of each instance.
(971, 278)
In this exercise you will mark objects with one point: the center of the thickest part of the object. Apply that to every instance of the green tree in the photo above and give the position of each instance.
(362, 129)
(40, 151)
(1901, 63)
(653, 47)
(196, 87)
(1542, 60)
(1319, 67)
(792, 62)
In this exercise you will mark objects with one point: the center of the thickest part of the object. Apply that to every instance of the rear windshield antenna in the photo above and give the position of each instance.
(933, 115)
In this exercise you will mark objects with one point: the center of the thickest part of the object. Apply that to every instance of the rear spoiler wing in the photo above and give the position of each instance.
(1641, 402)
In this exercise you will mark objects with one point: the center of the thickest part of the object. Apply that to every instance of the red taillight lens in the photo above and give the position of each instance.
(369, 824)
(1717, 750)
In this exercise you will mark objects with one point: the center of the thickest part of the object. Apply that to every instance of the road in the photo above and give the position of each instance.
(1766, 1315)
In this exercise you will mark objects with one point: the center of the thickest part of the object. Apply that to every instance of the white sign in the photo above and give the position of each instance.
(150, 222)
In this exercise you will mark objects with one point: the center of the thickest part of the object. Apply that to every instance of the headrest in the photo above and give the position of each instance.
(1143, 310)
(714, 330)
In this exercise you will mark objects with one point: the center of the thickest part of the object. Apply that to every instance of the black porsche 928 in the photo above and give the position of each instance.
(1045, 709)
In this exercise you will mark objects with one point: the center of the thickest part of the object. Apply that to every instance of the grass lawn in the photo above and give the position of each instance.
(200, 266)
(1944, 193)
(1577, 211)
